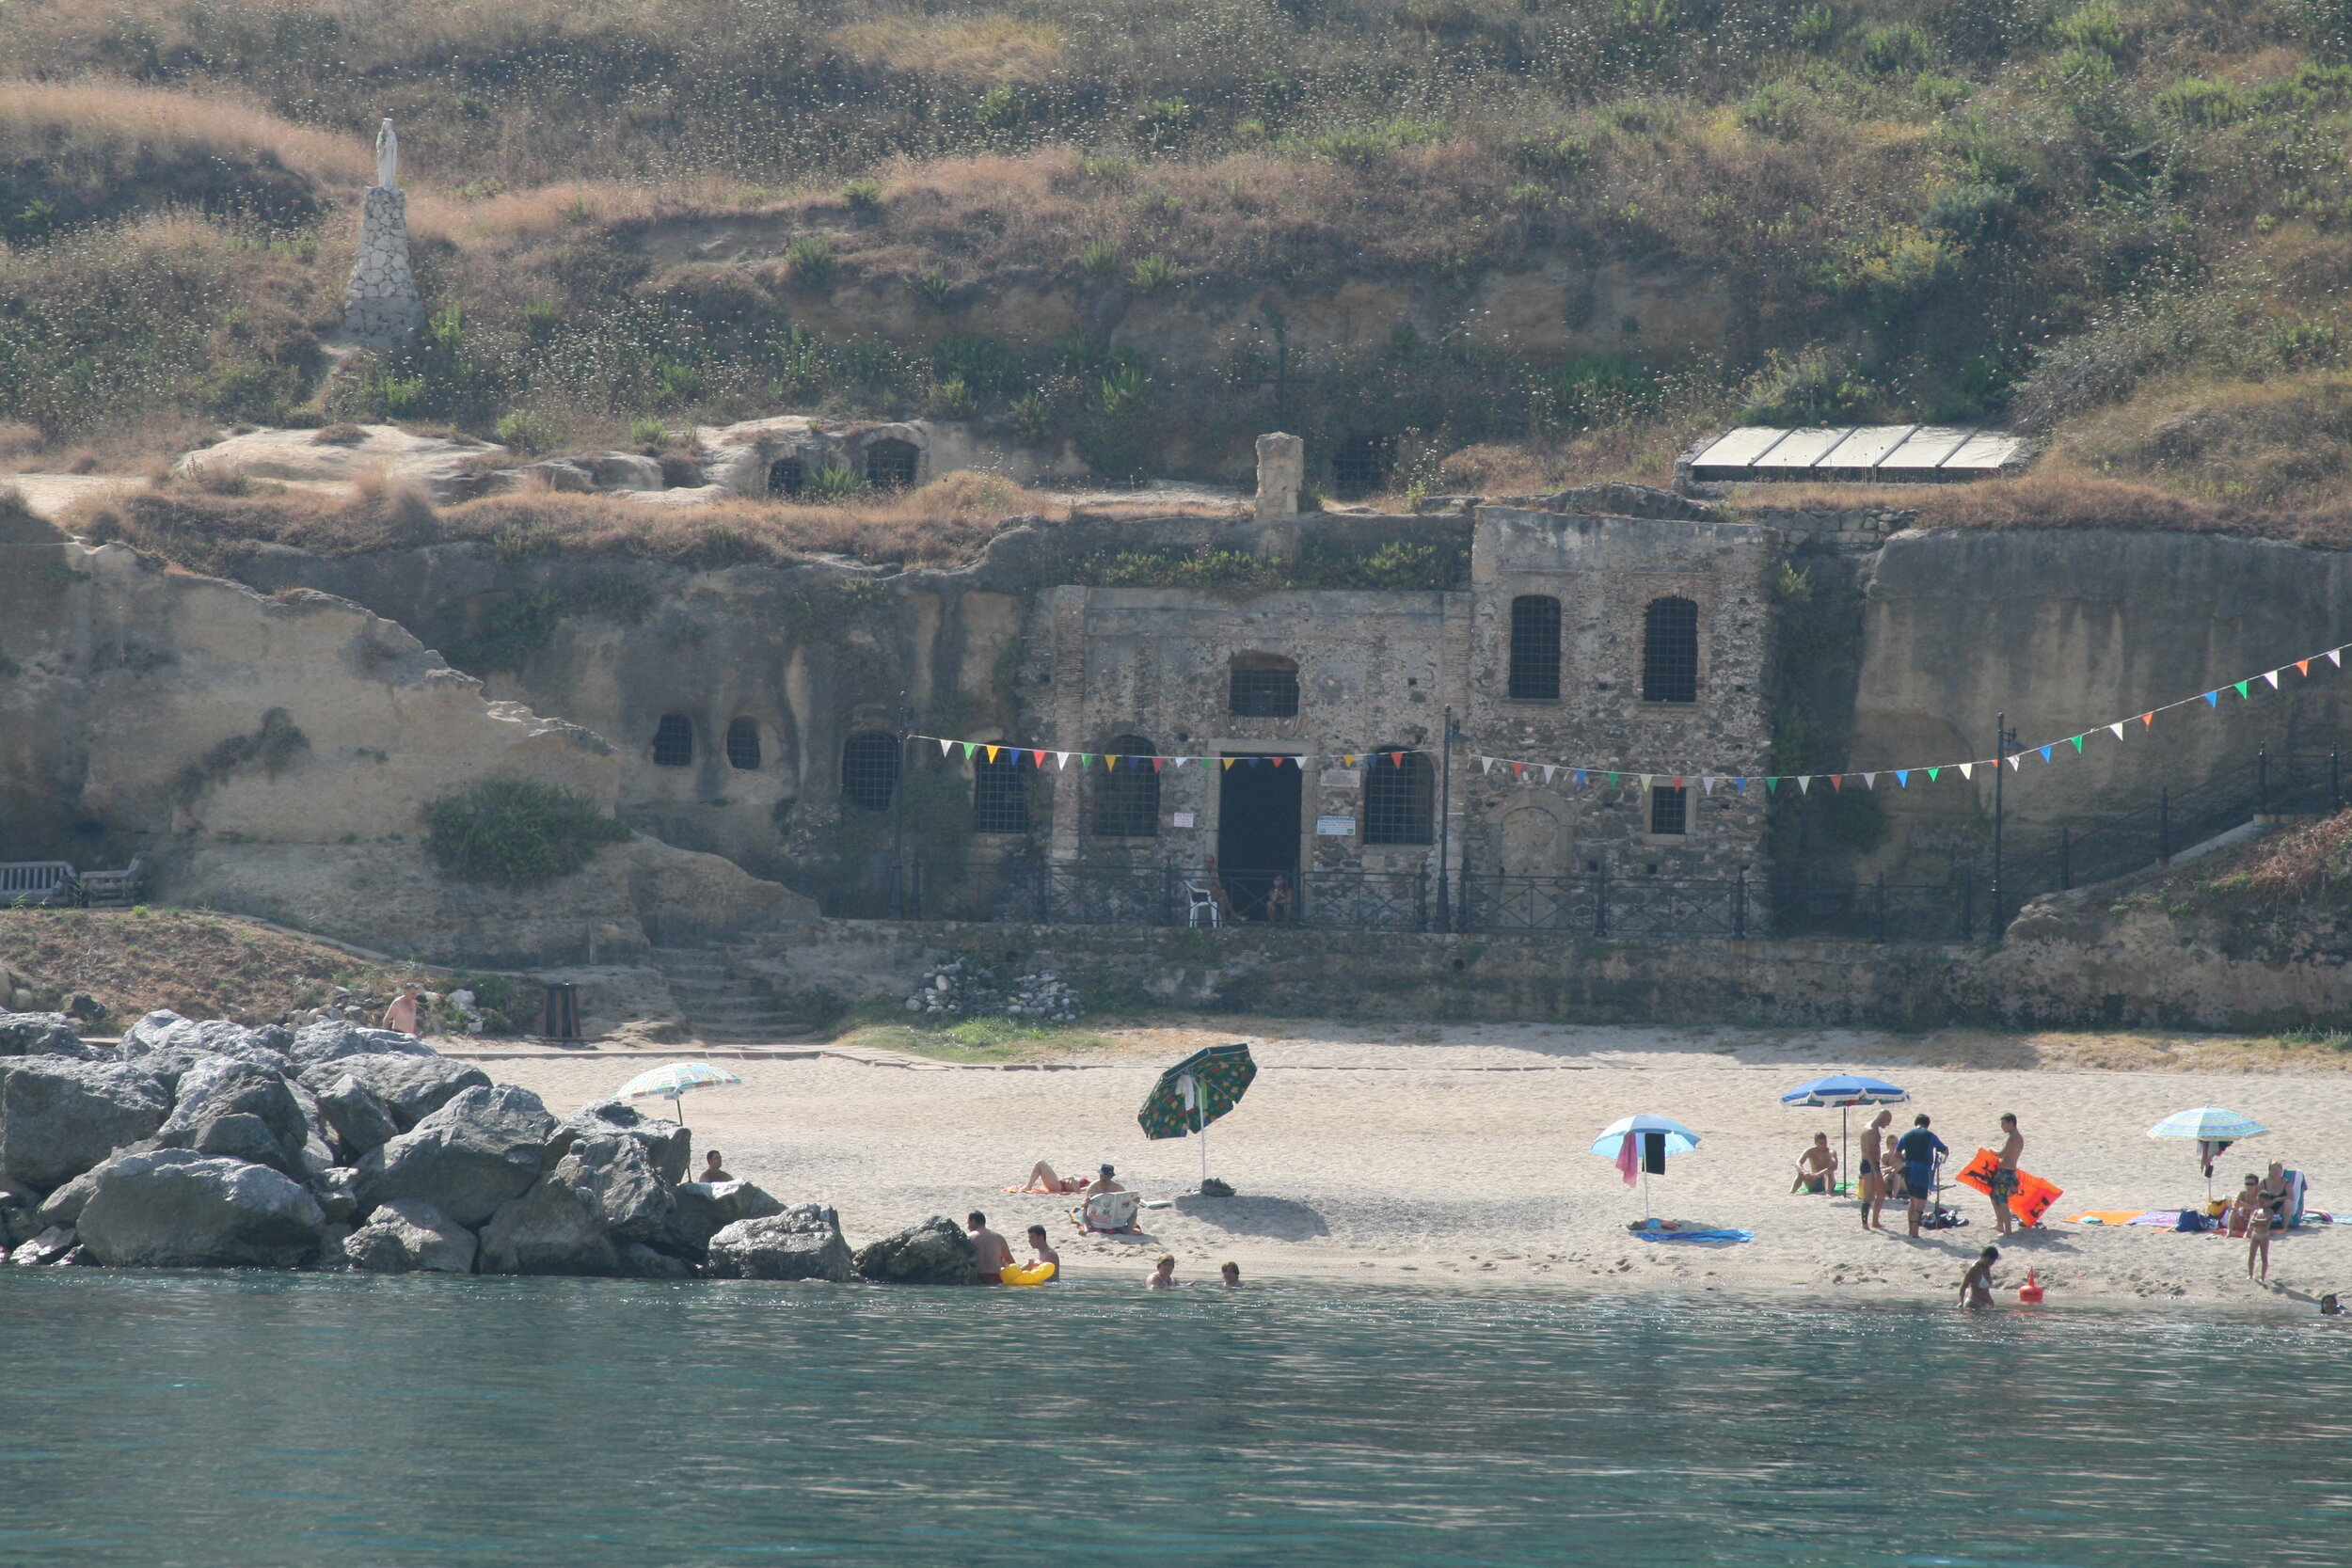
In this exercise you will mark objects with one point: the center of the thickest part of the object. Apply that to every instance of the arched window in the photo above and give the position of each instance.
(674, 741)
(870, 770)
(890, 464)
(1361, 464)
(1127, 796)
(1264, 686)
(786, 476)
(1398, 799)
(1670, 651)
(999, 803)
(744, 744)
(1535, 647)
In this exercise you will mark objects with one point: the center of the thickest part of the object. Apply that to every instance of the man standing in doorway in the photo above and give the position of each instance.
(2004, 1182)
(1920, 1149)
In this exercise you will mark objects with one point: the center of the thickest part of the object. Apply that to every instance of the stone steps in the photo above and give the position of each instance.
(721, 1006)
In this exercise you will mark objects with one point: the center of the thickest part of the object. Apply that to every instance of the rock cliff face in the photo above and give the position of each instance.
(273, 755)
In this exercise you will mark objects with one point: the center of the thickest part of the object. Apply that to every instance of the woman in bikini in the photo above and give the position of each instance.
(1873, 1171)
(1043, 1179)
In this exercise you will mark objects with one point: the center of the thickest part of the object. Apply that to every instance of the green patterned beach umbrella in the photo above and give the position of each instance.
(1195, 1092)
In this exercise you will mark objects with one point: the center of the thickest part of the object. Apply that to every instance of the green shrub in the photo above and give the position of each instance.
(1100, 259)
(835, 481)
(863, 195)
(1150, 274)
(516, 833)
(525, 434)
(933, 287)
(648, 432)
(810, 261)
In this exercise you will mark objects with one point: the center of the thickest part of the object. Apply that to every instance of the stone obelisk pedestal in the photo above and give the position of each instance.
(380, 307)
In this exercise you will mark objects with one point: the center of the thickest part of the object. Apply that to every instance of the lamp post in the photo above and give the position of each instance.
(1445, 827)
(2002, 739)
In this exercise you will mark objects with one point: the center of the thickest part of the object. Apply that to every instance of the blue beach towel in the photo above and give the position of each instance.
(1696, 1235)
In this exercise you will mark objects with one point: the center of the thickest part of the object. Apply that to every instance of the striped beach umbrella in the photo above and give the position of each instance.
(674, 1083)
(1845, 1091)
(2214, 1129)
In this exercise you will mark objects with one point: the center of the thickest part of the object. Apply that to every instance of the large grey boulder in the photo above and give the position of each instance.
(337, 1188)
(162, 1038)
(240, 1110)
(803, 1242)
(411, 1088)
(355, 1114)
(670, 1145)
(64, 1206)
(553, 1229)
(616, 1175)
(640, 1261)
(39, 1035)
(479, 1152)
(332, 1039)
(176, 1209)
(60, 1116)
(705, 1207)
(408, 1237)
(936, 1252)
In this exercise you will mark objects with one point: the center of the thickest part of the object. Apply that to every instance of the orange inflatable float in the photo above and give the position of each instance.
(2032, 1198)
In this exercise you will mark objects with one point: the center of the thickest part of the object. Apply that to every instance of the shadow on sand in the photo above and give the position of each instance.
(1281, 1218)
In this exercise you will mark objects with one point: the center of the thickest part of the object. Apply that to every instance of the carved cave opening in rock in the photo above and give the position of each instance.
(674, 741)
(786, 476)
(890, 464)
(744, 744)
(870, 770)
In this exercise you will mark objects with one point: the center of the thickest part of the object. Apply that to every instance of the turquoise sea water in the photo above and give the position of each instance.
(275, 1419)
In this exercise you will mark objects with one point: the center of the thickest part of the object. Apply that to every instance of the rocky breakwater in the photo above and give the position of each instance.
(210, 1145)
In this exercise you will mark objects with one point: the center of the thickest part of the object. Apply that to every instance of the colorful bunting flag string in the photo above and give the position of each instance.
(1583, 773)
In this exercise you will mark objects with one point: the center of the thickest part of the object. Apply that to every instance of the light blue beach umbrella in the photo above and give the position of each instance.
(674, 1083)
(2214, 1129)
(1845, 1091)
(1679, 1140)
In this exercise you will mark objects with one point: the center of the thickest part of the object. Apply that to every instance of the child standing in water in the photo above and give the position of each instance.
(1975, 1286)
(2258, 1243)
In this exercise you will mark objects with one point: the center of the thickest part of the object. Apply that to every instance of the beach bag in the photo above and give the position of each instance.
(2191, 1221)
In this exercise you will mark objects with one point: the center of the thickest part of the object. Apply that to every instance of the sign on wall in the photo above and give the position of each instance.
(1181, 819)
(1343, 778)
(1335, 827)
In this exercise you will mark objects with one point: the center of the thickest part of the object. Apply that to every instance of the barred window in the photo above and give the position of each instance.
(744, 744)
(870, 770)
(1670, 651)
(786, 476)
(1362, 463)
(1397, 798)
(1535, 647)
(1669, 809)
(890, 464)
(1264, 686)
(674, 741)
(999, 803)
(1127, 797)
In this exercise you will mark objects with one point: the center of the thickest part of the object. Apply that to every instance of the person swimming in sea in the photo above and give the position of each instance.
(1163, 1275)
(1231, 1274)
(1041, 1253)
(1975, 1286)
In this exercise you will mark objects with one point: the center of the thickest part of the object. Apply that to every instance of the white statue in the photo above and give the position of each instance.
(387, 156)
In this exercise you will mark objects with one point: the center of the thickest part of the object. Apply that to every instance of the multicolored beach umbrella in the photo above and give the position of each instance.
(2214, 1129)
(1195, 1092)
(1845, 1091)
(674, 1083)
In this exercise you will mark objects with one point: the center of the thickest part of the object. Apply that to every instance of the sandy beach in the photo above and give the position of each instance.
(1425, 1153)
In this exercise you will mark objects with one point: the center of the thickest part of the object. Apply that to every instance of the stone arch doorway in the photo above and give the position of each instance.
(1535, 841)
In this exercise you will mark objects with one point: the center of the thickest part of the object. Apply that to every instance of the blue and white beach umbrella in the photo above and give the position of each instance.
(674, 1083)
(1611, 1144)
(2214, 1129)
(1845, 1091)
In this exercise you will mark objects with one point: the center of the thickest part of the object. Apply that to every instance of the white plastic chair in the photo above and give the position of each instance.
(1201, 898)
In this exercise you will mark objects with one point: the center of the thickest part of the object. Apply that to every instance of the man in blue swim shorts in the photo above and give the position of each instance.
(1919, 1148)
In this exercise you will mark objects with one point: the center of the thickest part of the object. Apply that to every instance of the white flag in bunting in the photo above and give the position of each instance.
(2272, 677)
(1869, 781)
(2118, 728)
(1804, 782)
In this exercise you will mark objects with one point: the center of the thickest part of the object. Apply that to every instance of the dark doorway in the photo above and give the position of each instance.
(786, 476)
(890, 464)
(1256, 836)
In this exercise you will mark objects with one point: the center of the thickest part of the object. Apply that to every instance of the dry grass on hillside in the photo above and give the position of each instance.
(98, 118)
(198, 965)
(946, 522)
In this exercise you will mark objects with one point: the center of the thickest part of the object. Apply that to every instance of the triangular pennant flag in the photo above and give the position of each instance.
(1742, 783)
(2118, 728)
(2077, 741)
(969, 748)
(1180, 761)
(1517, 769)
(2015, 760)
(2302, 666)
(1837, 784)
(1934, 771)
(1968, 769)
(2045, 753)
(1580, 778)
(2242, 686)
(1902, 777)
(2148, 721)
(1772, 783)
(1677, 781)
(1707, 784)
(1249, 762)
(946, 748)
(2335, 657)
(1869, 781)
(2213, 699)
(1347, 759)
(1548, 771)
(1396, 759)
(1061, 760)
(1040, 757)
(1645, 779)
(1156, 762)
(1804, 783)
(1487, 764)
(1227, 761)
(2272, 677)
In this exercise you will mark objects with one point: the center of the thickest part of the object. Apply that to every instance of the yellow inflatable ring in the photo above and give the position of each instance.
(1028, 1274)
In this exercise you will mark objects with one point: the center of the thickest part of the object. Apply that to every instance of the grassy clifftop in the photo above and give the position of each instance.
(2123, 222)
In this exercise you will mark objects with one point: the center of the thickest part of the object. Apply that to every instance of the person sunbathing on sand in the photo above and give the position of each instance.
(1816, 1165)
(1043, 1179)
